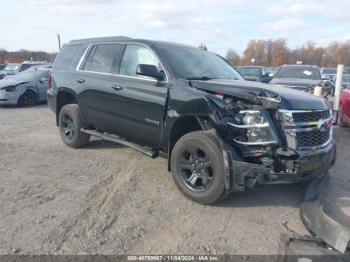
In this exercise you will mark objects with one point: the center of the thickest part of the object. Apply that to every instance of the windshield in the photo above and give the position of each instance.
(11, 67)
(329, 71)
(299, 72)
(250, 71)
(192, 63)
(28, 75)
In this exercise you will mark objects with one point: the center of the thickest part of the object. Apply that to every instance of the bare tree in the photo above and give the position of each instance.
(275, 53)
(233, 57)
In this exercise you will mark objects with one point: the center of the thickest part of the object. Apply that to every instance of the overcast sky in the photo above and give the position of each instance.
(220, 24)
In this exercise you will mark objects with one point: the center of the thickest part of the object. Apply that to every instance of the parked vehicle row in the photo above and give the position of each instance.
(220, 132)
(13, 68)
(303, 78)
(26, 88)
(255, 73)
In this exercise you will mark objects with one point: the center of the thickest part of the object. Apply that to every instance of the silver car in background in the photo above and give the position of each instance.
(27, 88)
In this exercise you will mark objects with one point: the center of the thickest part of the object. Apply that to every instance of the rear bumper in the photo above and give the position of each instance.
(51, 100)
(309, 165)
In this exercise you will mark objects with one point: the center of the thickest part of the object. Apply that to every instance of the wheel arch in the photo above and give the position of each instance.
(183, 126)
(64, 97)
(29, 89)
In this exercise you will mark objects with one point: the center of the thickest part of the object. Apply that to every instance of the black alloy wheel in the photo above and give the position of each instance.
(197, 171)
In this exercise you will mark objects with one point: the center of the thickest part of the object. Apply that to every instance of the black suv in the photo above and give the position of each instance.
(219, 132)
(303, 78)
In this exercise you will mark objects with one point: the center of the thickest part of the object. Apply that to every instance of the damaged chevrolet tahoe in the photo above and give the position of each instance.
(220, 133)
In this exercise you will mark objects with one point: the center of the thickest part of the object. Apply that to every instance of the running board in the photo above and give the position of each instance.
(116, 139)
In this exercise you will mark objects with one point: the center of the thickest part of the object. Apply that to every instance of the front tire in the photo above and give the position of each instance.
(70, 123)
(197, 166)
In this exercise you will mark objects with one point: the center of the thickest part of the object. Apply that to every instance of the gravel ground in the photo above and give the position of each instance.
(108, 199)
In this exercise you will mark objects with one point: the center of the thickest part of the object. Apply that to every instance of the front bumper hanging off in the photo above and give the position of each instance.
(310, 165)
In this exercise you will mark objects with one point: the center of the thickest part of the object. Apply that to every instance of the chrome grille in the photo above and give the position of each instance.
(310, 116)
(312, 138)
(307, 130)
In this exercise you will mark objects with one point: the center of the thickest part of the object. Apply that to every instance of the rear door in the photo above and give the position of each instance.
(94, 80)
(137, 103)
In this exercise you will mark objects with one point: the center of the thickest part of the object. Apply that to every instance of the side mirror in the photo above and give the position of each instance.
(150, 71)
(43, 80)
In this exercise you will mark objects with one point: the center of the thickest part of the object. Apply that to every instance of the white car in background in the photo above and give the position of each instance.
(27, 88)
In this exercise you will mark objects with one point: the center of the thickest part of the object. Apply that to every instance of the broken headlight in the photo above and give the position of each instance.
(253, 128)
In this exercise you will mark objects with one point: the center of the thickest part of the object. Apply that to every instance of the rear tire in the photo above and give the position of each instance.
(70, 123)
(28, 98)
(197, 166)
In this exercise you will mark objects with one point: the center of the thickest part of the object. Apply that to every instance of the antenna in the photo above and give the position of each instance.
(203, 47)
(59, 41)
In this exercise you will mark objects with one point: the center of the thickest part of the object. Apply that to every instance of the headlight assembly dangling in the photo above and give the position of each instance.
(257, 128)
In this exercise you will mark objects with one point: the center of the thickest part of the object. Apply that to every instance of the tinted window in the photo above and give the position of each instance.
(66, 56)
(134, 55)
(329, 71)
(25, 67)
(190, 63)
(103, 58)
(300, 72)
(250, 71)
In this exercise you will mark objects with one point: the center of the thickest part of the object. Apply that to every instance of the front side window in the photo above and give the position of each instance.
(103, 58)
(135, 55)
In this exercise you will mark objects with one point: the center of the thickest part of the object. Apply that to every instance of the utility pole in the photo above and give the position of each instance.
(59, 41)
(338, 85)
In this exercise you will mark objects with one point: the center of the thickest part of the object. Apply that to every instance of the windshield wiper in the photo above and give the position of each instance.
(203, 78)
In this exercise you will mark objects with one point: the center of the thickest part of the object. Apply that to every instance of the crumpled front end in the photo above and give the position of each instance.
(9, 97)
(267, 144)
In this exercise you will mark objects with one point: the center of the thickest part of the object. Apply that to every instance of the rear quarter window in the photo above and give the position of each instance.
(68, 57)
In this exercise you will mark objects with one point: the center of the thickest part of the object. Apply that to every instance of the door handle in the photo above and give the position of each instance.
(118, 87)
(81, 81)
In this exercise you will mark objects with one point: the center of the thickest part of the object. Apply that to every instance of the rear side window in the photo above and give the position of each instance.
(102, 58)
(67, 56)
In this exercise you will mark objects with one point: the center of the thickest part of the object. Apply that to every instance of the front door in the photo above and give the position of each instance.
(138, 103)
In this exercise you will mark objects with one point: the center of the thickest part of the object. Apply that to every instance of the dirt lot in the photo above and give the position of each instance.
(106, 199)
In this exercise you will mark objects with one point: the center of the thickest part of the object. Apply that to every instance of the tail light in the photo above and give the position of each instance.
(50, 79)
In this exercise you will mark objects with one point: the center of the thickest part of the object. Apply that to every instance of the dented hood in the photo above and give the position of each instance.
(290, 99)
(10, 82)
